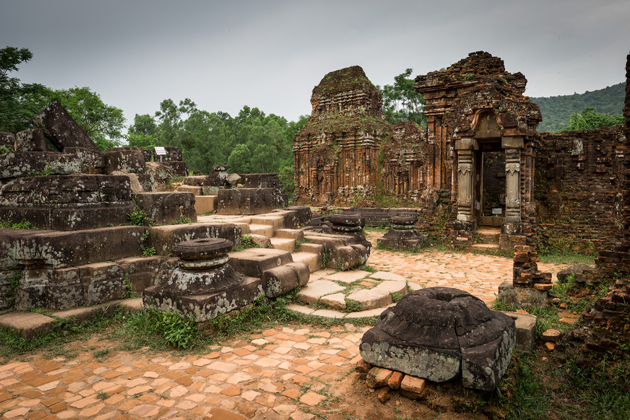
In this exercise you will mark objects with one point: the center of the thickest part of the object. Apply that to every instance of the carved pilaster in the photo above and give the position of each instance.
(465, 199)
(512, 223)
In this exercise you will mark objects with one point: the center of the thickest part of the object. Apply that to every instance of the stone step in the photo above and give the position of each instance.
(487, 234)
(264, 230)
(205, 203)
(297, 234)
(314, 261)
(283, 244)
(312, 248)
(485, 247)
(276, 221)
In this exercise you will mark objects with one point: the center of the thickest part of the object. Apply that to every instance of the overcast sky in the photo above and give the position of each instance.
(270, 54)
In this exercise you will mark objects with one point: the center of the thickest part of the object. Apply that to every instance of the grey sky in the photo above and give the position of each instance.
(270, 54)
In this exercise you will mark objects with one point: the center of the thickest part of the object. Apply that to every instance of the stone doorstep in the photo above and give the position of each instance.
(485, 246)
(31, 324)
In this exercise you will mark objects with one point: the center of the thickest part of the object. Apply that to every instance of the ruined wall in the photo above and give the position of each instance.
(336, 153)
(618, 260)
(577, 189)
(473, 104)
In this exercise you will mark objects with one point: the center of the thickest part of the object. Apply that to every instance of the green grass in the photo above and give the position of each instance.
(564, 257)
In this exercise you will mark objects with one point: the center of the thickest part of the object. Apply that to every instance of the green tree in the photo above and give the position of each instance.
(590, 119)
(101, 122)
(401, 102)
(239, 159)
(142, 133)
(18, 102)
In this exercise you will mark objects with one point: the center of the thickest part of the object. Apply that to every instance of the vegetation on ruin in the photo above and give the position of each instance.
(557, 110)
(343, 80)
(246, 242)
(24, 224)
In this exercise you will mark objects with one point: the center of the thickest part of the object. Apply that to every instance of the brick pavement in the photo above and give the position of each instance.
(280, 373)
(478, 274)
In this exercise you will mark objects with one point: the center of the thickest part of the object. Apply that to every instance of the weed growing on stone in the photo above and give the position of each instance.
(24, 224)
(129, 293)
(367, 268)
(353, 306)
(137, 217)
(147, 251)
(246, 242)
(396, 297)
(182, 221)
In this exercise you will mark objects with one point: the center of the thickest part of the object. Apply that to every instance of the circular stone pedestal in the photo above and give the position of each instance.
(204, 285)
(403, 235)
(440, 334)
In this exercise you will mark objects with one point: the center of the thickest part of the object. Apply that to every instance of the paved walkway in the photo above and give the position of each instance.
(280, 373)
(477, 274)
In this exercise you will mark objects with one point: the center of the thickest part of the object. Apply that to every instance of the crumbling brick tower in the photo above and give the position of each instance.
(476, 107)
(336, 153)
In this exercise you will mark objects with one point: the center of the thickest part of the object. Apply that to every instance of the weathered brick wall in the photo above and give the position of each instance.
(577, 180)
(618, 260)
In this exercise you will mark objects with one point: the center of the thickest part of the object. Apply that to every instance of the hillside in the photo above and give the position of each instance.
(557, 110)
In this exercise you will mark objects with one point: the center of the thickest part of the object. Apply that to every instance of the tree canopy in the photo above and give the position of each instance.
(401, 102)
(557, 110)
(250, 142)
(18, 101)
(590, 119)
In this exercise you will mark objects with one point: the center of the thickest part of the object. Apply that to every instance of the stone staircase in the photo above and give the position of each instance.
(272, 226)
(329, 292)
(486, 239)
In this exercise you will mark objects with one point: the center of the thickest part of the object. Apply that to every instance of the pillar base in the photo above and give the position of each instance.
(511, 228)
(467, 226)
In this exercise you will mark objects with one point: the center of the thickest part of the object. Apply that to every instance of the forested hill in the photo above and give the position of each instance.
(557, 110)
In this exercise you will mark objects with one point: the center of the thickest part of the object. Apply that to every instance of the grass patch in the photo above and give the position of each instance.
(24, 224)
(246, 242)
(565, 257)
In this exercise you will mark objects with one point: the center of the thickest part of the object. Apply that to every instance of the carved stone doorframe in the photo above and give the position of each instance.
(512, 224)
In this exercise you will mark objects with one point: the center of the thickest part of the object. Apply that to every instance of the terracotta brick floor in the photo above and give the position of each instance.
(276, 374)
(280, 373)
(478, 274)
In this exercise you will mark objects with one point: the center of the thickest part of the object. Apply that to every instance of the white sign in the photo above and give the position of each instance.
(160, 151)
(497, 210)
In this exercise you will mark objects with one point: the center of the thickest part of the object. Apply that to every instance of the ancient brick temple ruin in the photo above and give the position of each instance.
(479, 161)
